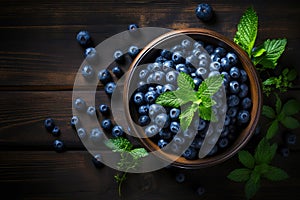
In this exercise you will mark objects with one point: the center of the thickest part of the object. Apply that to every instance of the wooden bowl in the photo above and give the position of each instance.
(148, 55)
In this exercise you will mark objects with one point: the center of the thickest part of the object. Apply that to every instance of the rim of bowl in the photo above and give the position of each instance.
(255, 89)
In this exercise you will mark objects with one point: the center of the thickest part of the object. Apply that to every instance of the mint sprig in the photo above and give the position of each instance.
(281, 115)
(256, 167)
(192, 101)
(247, 30)
(130, 157)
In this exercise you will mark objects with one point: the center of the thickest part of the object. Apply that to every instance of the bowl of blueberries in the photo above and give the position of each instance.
(199, 55)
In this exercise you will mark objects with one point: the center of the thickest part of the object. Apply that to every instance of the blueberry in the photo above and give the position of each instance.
(232, 111)
(225, 64)
(226, 79)
(159, 89)
(200, 190)
(79, 104)
(96, 135)
(150, 97)
(158, 77)
(234, 87)
(243, 116)
(49, 124)
(97, 161)
(232, 57)
(180, 178)
(155, 109)
(178, 139)
(162, 143)
(182, 68)
(200, 72)
(197, 82)
(213, 151)
(197, 143)
(91, 111)
(204, 12)
(133, 27)
(290, 138)
(87, 72)
(143, 109)
(144, 120)
(243, 76)
(246, 103)
(171, 77)
(109, 88)
(174, 127)
(74, 121)
(91, 55)
(168, 87)
(162, 120)
(209, 48)
(243, 90)
(196, 53)
(143, 73)
(56, 131)
(202, 125)
(165, 134)
(223, 142)
(215, 57)
(177, 57)
(58, 146)
(81, 133)
(186, 44)
(151, 130)
(119, 56)
(167, 65)
(83, 38)
(174, 113)
(224, 132)
(138, 98)
(104, 109)
(221, 51)
(198, 45)
(104, 76)
(118, 72)
(284, 151)
(133, 51)
(160, 59)
(106, 124)
(233, 100)
(117, 131)
(203, 63)
(215, 66)
(190, 153)
(166, 54)
(234, 72)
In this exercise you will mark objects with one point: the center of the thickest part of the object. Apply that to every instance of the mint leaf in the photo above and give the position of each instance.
(138, 153)
(168, 99)
(264, 152)
(119, 144)
(206, 113)
(246, 159)
(278, 104)
(208, 101)
(258, 52)
(185, 82)
(274, 49)
(185, 95)
(239, 175)
(210, 86)
(292, 74)
(271, 81)
(291, 107)
(272, 130)
(187, 115)
(247, 30)
(275, 174)
(262, 168)
(268, 112)
(290, 122)
(252, 185)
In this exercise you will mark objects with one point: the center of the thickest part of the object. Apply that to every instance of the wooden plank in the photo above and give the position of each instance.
(71, 175)
(38, 48)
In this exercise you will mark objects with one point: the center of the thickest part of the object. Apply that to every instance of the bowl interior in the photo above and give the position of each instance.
(148, 55)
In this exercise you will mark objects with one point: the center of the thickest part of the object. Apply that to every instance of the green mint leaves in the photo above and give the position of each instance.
(192, 101)
(257, 167)
(247, 30)
(265, 54)
(130, 157)
(281, 114)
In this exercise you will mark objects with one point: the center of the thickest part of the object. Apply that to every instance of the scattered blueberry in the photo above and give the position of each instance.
(83, 38)
(91, 55)
(133, 27)
(104, 76)
(56, 131)
(204, 12)
(118, 56)
(200, 190)
(91, 111)
(58, 145)
(87, 71)
(74, 121)
(79, 104)
(117, 131)
(49, 124)
(180, 178)
(97, 161)
(109, 88)
(104, 109)
(290, 138)
(106, 124)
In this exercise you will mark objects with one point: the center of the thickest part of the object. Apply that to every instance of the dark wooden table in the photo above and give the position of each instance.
(39, 58)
